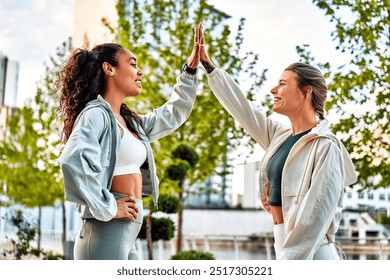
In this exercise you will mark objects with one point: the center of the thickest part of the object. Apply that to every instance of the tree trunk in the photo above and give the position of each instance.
(149, 241)
(63, 225)
(180, 221)
(39, 228)
(179, 231)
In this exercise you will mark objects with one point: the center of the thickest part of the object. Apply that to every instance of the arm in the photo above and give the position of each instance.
(81, 163)
(244, 111)
(319, 206)
(177, 109)
(170, 116)
(231, 97)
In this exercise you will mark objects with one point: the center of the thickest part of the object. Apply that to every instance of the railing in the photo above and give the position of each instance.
(370, 245)
(235, 244)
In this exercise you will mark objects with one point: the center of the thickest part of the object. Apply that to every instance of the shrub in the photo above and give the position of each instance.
(167, 203)
(192, 255)
(162, 228)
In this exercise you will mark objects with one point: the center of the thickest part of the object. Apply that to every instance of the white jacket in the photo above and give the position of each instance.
(316, 171)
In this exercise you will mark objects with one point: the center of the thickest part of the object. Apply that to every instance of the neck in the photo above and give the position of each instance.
(302, 123)
(115, 102)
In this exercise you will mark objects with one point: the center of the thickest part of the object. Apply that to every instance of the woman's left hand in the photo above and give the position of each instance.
(195, 55)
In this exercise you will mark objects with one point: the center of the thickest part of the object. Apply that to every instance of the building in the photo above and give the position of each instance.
(89, 29)
(9, 78)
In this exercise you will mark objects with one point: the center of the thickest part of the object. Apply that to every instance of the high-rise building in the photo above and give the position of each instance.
(9, 75)
(89, 29)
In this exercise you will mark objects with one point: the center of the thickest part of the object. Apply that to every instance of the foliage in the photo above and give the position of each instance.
(360, 89)
(167, 203)
(177, 171)
(30, 149)
(31, 146)
(163, 229)
(21, 246)
(383, 219)
(193, 255)
(160, 34)
(186, 153)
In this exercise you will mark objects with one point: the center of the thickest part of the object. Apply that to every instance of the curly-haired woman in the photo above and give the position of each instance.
(107, 161)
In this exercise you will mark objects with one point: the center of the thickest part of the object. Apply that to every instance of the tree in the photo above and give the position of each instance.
(184, 158)
(360, 89)
(160, 34)
(30, 149)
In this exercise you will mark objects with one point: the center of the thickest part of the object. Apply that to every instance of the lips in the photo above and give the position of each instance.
(138, 82)
(277, 99)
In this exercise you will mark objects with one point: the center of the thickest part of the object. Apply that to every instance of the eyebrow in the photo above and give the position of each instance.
(282, 80)
(132, 58)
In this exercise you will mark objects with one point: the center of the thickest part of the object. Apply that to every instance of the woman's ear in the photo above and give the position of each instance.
(308, 91)
(108, 69)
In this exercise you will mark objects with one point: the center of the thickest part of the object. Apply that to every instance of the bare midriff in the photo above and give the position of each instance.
(130, 184)
(277, 214)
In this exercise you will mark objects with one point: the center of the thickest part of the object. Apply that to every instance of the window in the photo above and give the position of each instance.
(382, 196)
(361, 195)
(370, 196)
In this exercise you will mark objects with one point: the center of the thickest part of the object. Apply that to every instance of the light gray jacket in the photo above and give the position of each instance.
(89, 156)
(316, 171)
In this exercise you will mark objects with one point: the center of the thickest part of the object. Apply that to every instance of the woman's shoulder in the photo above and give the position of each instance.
(96, 114)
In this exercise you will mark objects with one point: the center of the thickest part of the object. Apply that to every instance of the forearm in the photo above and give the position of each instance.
(208, 66)
(246, 112)
(167, 118)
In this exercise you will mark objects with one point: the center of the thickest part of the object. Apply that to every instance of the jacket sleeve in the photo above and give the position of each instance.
(170, 116)
(319, 206)
(244, 111)
(81, 163)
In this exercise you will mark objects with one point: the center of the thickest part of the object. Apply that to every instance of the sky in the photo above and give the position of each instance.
(31, 30)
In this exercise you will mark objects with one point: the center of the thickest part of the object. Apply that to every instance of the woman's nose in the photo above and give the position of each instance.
(274, 90)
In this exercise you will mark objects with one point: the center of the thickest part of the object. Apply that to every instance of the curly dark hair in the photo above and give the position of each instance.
(82, 79)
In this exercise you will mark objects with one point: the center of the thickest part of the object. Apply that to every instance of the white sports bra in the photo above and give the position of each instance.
(132, 154)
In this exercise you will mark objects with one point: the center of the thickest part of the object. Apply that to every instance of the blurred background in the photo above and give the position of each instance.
(209, 167)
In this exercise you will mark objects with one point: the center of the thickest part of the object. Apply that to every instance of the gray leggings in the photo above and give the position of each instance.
(112, 240)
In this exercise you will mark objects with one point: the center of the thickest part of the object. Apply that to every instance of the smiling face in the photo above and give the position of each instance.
(127, 76)
(288, 98)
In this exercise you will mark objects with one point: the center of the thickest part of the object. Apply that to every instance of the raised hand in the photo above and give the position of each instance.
(193, 62)
(204, 58)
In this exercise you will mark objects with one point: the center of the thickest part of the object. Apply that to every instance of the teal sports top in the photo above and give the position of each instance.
(275, 168)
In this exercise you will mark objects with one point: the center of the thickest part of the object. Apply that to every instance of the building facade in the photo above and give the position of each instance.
(9, 78)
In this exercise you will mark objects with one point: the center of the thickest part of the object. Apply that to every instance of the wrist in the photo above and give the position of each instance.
(189, 70)
(208, 66)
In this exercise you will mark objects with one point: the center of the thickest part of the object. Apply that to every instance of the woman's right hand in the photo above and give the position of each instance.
(193, 61)
(126, 208)
(204, 57)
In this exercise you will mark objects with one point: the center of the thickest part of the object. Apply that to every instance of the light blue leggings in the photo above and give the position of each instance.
(112, 240)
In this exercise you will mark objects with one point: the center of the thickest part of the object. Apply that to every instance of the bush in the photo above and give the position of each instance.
(192, 255)
(21, 247)
(162, 228)
(167, 203)
(177, 171)
(186, 153)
